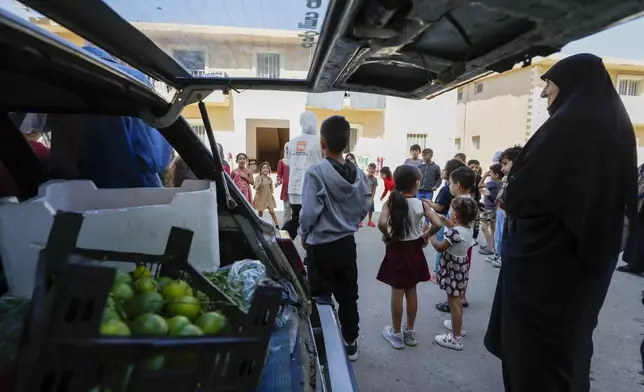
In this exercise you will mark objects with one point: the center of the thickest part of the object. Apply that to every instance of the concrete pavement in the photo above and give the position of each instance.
(429, 367)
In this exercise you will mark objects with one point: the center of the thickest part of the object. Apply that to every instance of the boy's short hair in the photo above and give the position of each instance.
(460, 156)
(463, 176)
(510, 154)
(473, 162)
(371, 166)
(497, 169)
(428, 151)
(452, 165)
(414, 147)
(336, 132)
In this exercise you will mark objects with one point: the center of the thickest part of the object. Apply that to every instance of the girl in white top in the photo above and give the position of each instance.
(453, 273)
(404, 264)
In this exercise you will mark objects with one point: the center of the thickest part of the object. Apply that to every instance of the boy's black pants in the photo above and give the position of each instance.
(332, 270)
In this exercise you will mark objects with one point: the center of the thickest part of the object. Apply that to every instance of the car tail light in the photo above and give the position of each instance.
(290, 251)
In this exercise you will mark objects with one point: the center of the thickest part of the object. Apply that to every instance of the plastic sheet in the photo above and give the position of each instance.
(288, 312)
(239, 280)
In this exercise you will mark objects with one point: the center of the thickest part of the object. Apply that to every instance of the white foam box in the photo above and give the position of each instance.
(127, 220)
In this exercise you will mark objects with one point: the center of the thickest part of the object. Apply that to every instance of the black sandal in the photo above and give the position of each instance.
(443, 307)
(626, 268)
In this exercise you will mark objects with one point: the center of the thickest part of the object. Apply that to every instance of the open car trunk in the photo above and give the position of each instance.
(405, 48)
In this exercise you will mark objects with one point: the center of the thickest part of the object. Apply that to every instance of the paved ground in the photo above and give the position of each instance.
(429, 367)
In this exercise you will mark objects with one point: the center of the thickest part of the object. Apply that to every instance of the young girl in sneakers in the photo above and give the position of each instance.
(404, 264)
(453, 273)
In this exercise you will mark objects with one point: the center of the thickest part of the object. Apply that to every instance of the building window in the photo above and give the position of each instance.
(200, 130)
(630, 87)
(268, 65)
(416, 138)
(459, 96)
(192, 60)
(353, 140)
(478, 88)
(457, 144)
(476, 143)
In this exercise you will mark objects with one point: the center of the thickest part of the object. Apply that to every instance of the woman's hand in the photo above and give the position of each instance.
(382, 198)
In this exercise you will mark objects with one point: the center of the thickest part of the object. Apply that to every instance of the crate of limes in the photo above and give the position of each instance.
(163, 326)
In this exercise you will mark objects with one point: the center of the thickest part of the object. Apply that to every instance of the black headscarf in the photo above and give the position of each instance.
(581, 166)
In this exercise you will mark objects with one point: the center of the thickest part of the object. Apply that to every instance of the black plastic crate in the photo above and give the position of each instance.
(63, 351)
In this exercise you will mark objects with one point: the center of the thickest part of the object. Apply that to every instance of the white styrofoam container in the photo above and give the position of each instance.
(127, 220)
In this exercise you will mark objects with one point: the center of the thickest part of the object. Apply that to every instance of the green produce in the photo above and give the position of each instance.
(154, 363)
(176, 288)
(176, 324)
(110, 314)
(191, 330)
(162, 282)
(220, 280)
(149, 302)
(149, 324)
(145, 285)
(122, 277)
(187, 306)
(212, 323)
(141, 272)
(122, 292)
(114, 328)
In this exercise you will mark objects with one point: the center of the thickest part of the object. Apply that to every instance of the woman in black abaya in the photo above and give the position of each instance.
(567, 195)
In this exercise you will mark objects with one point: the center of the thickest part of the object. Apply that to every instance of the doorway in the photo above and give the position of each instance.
(270, 145)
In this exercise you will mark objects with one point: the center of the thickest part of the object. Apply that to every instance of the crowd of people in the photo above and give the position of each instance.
(538, 211)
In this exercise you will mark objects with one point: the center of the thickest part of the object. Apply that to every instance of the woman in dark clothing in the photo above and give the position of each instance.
(634, 252)
(565, 209)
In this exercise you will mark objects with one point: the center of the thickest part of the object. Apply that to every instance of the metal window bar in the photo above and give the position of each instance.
(416, 138)
(268, 65)
(629, 87)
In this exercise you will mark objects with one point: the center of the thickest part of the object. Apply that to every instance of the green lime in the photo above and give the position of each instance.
(190, 330)
(176, 288)
(150, 302)
(176, 324)
(145, 285)
(212, 323)
(114, 328)
(149, 324)
(154, 363)
(122, 291)
(187, 306)
(110, 314)
(141, 272)
(162, 282)
(122, 277)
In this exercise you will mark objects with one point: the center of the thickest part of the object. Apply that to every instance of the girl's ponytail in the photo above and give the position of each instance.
(399, 222)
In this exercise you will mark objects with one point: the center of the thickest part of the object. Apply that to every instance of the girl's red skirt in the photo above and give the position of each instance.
(404, 265)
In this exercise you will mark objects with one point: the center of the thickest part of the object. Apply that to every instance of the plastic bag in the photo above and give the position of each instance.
(288, 312)
(243, 278)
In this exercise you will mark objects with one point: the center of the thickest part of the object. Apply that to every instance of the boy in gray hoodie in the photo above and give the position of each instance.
(336, 197)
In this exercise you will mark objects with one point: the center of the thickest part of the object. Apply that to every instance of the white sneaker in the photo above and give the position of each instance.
(449, 341)
(409, 336)
(497, 263)
(395, 339)
(448, 325)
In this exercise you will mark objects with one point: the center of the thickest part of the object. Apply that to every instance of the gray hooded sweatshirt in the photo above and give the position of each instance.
(304, 151)
(335, 199)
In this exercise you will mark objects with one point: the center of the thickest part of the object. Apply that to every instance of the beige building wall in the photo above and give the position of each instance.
(494, 118)
(234, 52)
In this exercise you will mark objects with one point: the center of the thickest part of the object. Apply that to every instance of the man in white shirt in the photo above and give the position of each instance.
(304, 151)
